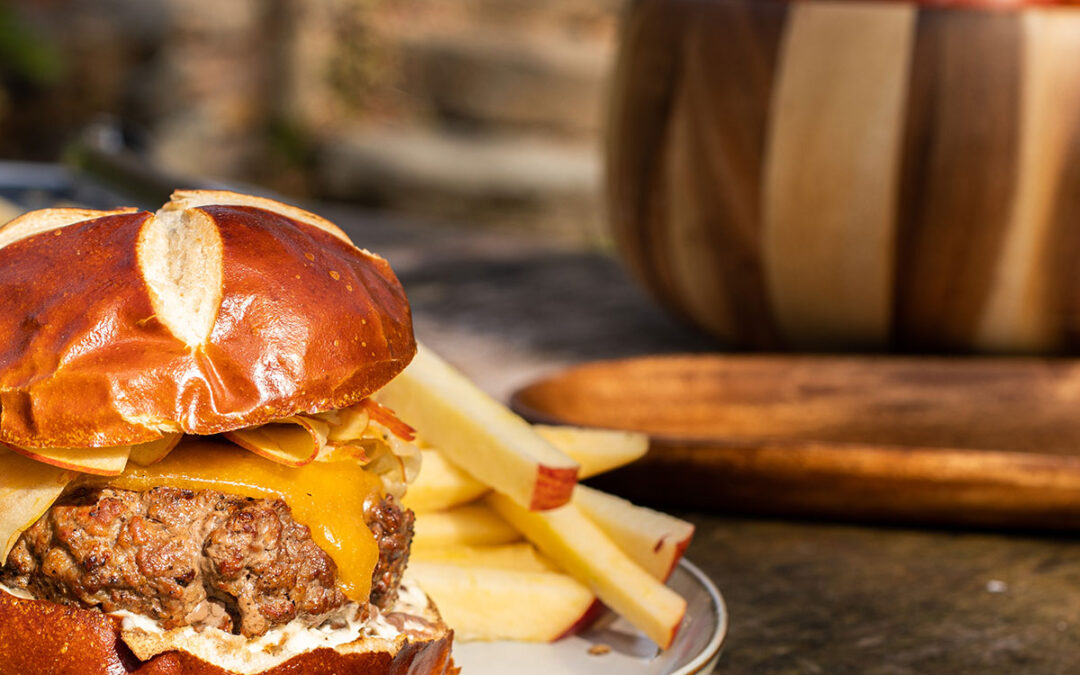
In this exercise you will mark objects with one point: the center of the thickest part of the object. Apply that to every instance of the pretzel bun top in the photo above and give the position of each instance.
(218, 312)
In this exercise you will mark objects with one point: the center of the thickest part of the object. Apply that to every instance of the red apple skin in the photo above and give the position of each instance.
(587, 619)
(658, 556)
(554, 487)
(58, 463)
(674, 631)
(680, 549)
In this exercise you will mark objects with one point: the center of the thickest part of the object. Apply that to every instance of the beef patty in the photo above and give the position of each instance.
(195, 558)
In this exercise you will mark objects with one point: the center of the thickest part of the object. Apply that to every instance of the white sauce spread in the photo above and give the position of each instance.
(295, 637)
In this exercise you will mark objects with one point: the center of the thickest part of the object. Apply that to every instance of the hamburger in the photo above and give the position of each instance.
(193, 476)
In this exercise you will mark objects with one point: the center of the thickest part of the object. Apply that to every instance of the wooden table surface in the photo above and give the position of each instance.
(803, 597)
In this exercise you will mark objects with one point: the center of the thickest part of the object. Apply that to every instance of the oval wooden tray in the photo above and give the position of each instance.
(970, 442)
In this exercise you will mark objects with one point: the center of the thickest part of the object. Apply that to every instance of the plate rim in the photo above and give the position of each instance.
(716, 642)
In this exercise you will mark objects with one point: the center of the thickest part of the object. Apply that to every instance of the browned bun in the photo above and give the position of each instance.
(44, 638)
(218, 312)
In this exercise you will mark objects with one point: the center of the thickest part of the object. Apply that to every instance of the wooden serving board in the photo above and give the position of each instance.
(948, 441)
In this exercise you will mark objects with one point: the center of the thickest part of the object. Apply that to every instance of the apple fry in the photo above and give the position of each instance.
(652, 539)
(469, 525)
(519, 556)
(479, 434)
(586, 553)
(484, 603)
(441, 485)
(596, 450)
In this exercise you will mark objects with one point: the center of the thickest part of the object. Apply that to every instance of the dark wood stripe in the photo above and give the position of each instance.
(1063, 247)
(730, 54)
(643, 86)
(959, 172)
(712, 64)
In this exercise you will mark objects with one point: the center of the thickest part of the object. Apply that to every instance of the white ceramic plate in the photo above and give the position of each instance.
(696, 649)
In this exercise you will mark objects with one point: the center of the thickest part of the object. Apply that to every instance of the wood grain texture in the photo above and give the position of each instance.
(831, 176)
(1062, 250)
(959, 172)
(685, 156)
(712, 226)
(643, 88)
(1020, 315)
(853, 175)
(980, 441)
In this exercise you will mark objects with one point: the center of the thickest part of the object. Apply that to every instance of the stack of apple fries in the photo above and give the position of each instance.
(507, 543)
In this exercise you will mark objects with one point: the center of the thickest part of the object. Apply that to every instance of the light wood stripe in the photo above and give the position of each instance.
(960, 168)
(832, 170)
(696, 277)
(714, 164)
(1020, 315)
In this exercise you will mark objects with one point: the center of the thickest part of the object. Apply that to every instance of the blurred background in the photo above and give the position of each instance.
(486, 111)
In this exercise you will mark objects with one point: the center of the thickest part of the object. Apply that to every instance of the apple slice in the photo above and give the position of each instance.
(346, 424)
(652, 539)
(596, 450)
(586, 553)
(292, 441)
(97, 461)
(441, 485)
(27, 490)
(479, 434)
(145, 454)
(469, 525)
(521, 557)
(484, 603)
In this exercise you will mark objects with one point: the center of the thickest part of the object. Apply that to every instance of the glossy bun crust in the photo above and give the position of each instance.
(218, 312)
(39, 638)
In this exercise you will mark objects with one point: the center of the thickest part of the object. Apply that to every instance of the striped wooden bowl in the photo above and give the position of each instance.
(853, 174)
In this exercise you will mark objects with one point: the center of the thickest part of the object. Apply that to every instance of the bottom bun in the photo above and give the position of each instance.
(40, 637)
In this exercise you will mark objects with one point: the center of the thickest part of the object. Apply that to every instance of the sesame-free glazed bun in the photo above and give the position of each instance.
(44, 638)
(220, 311)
